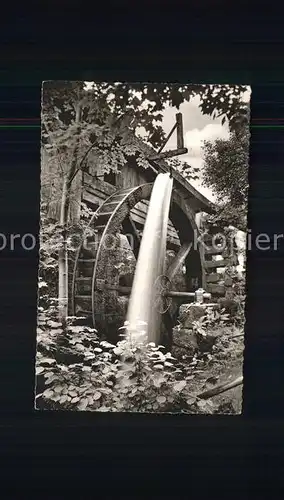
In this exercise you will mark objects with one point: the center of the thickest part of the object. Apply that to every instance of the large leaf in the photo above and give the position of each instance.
(39, 370)
(179, 386)
(97, 395)
(83, 404)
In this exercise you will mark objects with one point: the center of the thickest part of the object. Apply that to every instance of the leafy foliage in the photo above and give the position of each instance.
(88, 373)
(109, 111)
(187, 171)
(218, 355)
(94, 375)
(85, 372)
(226, 172)
(51, 241)
(211, 319)
(139, 103)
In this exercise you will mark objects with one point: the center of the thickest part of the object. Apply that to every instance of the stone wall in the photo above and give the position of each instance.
(186, 340)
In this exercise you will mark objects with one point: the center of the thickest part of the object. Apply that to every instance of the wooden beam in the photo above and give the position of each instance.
(213, 278)
(186, 295)
(167, 138)
(201, 203)
(217, 263)
(216, 289)
(213, 250)
(127, 291)
(130, 228)
(168, 154)
(179, 259)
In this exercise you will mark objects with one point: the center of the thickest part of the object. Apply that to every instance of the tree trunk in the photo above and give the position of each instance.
(63, 260)
(64, 219)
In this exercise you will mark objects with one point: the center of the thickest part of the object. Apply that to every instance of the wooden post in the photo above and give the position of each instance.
(180, 144)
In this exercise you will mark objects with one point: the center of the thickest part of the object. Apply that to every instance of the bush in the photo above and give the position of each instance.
(91, 374)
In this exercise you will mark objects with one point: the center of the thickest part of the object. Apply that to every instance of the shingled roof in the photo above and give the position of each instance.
(200, 203)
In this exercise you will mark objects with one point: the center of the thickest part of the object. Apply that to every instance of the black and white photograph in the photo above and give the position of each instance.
(143, 241)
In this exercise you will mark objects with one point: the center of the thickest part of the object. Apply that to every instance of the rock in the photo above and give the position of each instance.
(126, 279)
(188, 313)
(231, 306)
(228, 281)
(122, 305)
(67, 356)
(213, 305)
(206, 343)
(184, 341)
(213, 278)
(229, 293)
(80, 321)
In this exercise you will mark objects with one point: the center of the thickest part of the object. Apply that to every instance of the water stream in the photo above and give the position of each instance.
(143, 317)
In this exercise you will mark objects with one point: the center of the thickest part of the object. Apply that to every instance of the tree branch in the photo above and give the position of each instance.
(221, 388)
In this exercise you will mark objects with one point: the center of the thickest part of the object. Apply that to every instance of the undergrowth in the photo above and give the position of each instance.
(88, 373)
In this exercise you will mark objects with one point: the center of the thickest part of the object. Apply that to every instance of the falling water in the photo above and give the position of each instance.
(143, 318)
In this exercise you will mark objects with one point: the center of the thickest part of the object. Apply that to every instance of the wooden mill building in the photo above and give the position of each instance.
(99, 276)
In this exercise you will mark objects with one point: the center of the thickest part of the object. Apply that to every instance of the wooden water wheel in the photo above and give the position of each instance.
(97, 293)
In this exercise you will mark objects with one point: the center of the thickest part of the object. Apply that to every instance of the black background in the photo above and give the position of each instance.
(127, 455)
